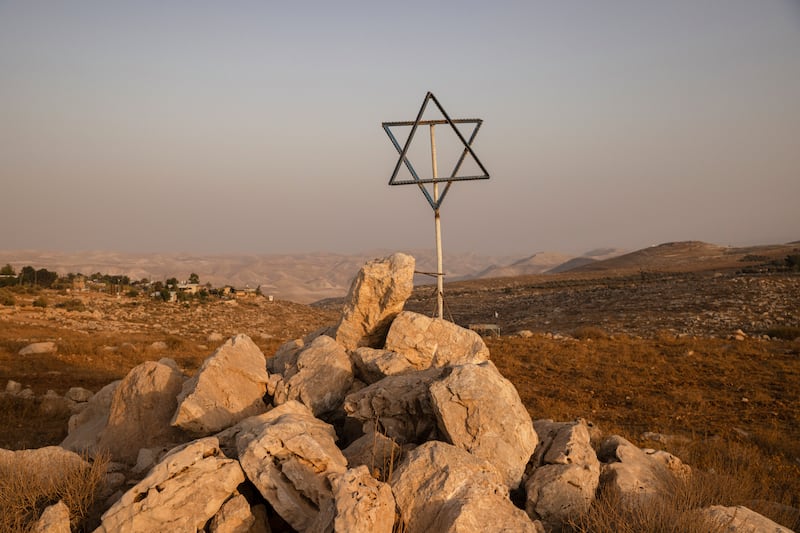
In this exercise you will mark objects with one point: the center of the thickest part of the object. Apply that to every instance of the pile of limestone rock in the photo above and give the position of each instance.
(389, 419)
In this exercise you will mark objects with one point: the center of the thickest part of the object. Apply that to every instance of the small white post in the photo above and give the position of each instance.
(438, 224)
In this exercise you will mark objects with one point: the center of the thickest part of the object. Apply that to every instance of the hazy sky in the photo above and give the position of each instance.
(215, 127)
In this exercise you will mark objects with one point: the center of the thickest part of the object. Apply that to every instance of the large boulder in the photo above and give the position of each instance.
(181, 493)
(374, 364)
(288, 455)
(480, 411)
(397, 406)
(229, 387)
(84, 428)
(439, 487)
(740, 519)
(320, 378)
(566, 474)
(632, 471)
(362, 503)
(141, 409)
(427, 342)
(376, 296)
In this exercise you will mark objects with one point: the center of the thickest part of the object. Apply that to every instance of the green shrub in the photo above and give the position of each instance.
(41, 301)
(133, 293)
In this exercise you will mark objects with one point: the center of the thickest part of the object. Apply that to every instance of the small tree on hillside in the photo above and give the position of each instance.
(194, 278)
(7, 270)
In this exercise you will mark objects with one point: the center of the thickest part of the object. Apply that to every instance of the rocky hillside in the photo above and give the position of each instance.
(386, 420)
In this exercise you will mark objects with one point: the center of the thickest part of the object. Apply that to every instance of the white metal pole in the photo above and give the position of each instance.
(438, 224)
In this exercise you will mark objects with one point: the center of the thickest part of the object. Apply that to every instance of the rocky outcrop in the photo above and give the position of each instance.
(141, 409)
(288, 455)
(433, 342)
(181, 493)
(439, 487)
(362, 503)
(229, 387)
(320, 377)
(377, 294)
(477, 409)
(430, 382)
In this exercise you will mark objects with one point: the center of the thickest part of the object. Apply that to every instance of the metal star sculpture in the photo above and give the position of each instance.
(435, 202)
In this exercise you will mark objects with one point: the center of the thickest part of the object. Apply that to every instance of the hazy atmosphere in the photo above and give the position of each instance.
(222, 127)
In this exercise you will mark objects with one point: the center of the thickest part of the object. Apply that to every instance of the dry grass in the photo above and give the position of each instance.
(27, 488)
(27, 425)
(736, 403)
(611, 512)
(725, 473)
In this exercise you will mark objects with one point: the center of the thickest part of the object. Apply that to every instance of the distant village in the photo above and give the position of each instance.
(169, 290)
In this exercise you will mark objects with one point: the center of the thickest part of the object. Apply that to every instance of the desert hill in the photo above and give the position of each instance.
(533, 264)
(688, 256)
(572, 264)
(547, 262)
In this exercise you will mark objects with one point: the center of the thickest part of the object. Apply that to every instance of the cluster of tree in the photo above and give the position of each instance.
(167, 290)
(27, 276)
(47, 279)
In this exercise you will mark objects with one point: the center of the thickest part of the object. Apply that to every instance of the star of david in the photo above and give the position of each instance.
(403, 151)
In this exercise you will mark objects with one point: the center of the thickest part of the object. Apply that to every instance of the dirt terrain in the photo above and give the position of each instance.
(681, 303)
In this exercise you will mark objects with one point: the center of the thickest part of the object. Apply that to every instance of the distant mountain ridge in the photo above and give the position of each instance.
(547, 263)
(310, 277)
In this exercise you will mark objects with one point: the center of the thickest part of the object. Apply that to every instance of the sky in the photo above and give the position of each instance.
(255, 127)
